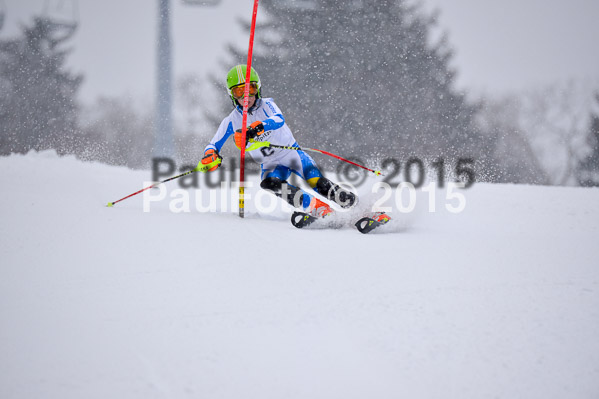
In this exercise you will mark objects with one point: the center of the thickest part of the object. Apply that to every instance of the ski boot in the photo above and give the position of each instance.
(334, 192)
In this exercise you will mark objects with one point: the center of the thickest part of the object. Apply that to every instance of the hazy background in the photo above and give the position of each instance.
(509, 58)
(499, 46)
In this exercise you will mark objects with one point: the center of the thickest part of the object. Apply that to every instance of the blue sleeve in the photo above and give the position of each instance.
(220, 137)
(276, 121)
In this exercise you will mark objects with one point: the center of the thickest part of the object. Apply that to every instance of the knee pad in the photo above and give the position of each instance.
(272, 184)
(334, 192)
(313, 182)
(323, 186)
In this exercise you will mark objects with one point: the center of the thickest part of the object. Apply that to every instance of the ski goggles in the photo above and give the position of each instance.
(237, 91)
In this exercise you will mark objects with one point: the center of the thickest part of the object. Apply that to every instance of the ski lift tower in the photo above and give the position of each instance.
(163, 140)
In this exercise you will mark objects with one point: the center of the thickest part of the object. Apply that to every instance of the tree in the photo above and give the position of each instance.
(362, 77)
(114, 132)
(191, 126)
(541, 133)
(588, 168)
(37, 97)
(517, 162)
(555, 121)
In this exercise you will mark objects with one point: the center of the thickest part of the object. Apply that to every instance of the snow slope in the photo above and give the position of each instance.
(498, 301)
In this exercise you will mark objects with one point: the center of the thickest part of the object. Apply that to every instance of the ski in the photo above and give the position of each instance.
(370, 222)
(365, 225)
(301, 219)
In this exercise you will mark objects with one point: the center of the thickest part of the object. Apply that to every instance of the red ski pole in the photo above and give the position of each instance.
(199, 168)
(258, 144)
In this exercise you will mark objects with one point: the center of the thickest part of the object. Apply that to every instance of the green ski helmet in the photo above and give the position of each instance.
(236, 77)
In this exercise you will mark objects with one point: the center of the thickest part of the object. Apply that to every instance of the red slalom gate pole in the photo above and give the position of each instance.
(246, 96)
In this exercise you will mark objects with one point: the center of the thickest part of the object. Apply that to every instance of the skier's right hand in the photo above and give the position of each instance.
(238, 141)
(210, 156)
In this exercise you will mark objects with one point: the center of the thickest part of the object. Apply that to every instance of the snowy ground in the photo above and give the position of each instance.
(498, 301)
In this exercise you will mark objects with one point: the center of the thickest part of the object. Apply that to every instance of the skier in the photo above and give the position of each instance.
(266, 123)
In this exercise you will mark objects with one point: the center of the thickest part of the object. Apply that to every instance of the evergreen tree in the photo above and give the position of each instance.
(362, 77)
(115, 132)
(588, 168)
(37, 95)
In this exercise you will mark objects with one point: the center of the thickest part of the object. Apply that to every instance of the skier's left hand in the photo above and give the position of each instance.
(253, 130)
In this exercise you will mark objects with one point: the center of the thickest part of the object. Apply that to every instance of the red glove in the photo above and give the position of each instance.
(210, 156)
(253, 130)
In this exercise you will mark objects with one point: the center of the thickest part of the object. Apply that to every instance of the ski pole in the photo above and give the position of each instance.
(199, 168)
(259, 144)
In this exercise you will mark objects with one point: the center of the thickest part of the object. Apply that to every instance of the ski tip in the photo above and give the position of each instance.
(110, 204)
(366, 225)
(371, 222)
(301, 219)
